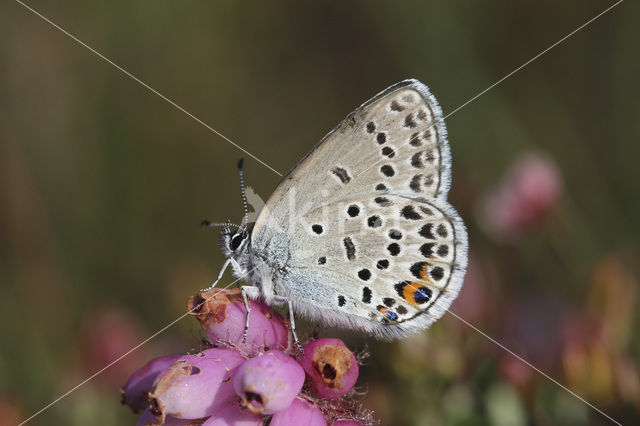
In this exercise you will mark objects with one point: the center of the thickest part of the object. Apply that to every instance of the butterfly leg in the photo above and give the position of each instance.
(292, 321)
(253, 292)
(224, 268)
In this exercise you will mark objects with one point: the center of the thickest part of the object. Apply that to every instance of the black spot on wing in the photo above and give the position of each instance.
(383, 201)
(364, 274)
(414, 184)
(409, 212)
(427, 231)
(382, 264)
(374, 222)
(387, 151)
(427, 249)
(416, 160)
(394, 234)
(409, 121)
(437, 273)
(387, 170)
(371, 127)
(350, 248)
(393, 249)
(417, 268)
(342, 174)
(366, 295)
(414, 140)
(395, 106)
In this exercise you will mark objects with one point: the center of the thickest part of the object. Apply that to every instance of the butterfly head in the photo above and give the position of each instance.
(234, 240)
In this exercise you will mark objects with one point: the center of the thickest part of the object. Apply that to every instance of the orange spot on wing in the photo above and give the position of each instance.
(424, 272)
(409, 292)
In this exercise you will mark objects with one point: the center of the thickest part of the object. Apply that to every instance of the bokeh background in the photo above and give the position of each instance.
(103, 185)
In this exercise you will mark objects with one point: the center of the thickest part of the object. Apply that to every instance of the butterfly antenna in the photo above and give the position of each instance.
(221, 225)
(245, 219)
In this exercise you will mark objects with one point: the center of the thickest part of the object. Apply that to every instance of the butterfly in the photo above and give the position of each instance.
(360, 234)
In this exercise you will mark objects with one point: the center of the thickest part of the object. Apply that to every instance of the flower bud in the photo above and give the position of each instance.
(195, 386)
(233, 414)
(135, 392)
(269, 382)
(300, 412)
(222, 315)
(331, 366)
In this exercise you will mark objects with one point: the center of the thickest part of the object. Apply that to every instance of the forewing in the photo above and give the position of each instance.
(395, 142)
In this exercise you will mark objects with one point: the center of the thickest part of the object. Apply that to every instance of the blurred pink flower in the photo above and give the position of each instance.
(108, 333)
(474, 302)
(528, 191)
(11, 410)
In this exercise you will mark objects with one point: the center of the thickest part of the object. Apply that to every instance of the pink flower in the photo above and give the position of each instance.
(222, 315)
(148, 419)
(135, 392)
(269, 382)
(233, 414)
(196, 386)
(108, 333)
(331, 366)
(226, 386)
(300, 412)
(528, 191)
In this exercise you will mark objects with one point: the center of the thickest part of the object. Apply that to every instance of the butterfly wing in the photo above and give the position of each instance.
(393, 146)
(392, 268)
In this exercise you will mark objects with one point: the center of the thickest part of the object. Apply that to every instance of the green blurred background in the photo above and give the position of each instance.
(103, 185)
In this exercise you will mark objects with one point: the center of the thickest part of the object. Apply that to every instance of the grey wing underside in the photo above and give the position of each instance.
(394, 145)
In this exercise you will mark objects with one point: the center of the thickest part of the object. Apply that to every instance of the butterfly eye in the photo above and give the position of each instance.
(235, 241)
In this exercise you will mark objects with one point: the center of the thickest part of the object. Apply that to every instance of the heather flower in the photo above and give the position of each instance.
(528, 191)
(269, 382)
(300, 412)
(148, 419)
(233, 414)
(222, 315)
(331, 367)
(196, 386)
(247, 384)
(108, 332)
(135, 392)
